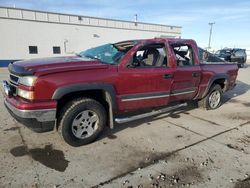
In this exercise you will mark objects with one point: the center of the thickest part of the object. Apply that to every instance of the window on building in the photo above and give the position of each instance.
(33, 50)
(56, 50)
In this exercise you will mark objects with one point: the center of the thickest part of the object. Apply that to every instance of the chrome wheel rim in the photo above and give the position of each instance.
(214, 99)
(85, 124)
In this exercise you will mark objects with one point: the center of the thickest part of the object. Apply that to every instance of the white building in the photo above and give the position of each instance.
(32, 34)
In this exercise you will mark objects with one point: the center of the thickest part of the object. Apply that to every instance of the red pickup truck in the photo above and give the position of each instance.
(80, 95)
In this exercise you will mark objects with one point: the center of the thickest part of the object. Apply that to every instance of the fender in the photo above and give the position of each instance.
(108, 88)
(211, 81)
(61, 91)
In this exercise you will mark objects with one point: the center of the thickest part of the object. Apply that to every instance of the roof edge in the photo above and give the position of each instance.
(66, 14)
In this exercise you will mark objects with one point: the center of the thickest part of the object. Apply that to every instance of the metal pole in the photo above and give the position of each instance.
(210, 34)
(65, 45)
(136, 18)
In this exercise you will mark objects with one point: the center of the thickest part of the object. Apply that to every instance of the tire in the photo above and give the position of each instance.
(82, 121)
(213, 99)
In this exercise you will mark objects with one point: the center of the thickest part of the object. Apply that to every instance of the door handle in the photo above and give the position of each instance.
(195, 74)
(167, 76)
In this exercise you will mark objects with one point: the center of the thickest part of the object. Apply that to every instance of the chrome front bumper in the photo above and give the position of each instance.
(44, 115)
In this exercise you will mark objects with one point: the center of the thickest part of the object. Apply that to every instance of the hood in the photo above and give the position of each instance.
(54, 64)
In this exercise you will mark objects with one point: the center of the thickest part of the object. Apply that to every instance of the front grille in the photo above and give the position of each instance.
(13, 81)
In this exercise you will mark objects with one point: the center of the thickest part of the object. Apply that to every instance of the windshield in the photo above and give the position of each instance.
(106, 53)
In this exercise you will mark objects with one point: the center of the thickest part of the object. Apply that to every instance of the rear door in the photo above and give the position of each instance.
(145, 80)
(187, 74)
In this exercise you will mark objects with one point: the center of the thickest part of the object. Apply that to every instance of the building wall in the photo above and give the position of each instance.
(20, 28)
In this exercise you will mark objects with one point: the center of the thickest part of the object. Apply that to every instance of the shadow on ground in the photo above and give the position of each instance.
(110, 133)
(240, 89)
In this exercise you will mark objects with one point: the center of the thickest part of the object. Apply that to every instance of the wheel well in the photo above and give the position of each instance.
(221, 82)
(98, 95)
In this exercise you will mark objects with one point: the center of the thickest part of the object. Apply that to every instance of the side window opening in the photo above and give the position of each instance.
(183, 55)
(239, 53)
(151, 55)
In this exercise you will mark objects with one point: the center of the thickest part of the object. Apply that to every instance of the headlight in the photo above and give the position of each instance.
(25, 94)
(27, 80)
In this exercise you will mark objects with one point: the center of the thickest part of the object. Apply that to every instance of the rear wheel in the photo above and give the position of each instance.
(82, 121)
(213, 98)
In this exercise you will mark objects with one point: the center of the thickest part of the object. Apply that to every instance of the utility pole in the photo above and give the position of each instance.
(210, 34)
(136, 19)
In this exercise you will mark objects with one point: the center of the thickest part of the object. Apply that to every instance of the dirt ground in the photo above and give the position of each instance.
(188, 148)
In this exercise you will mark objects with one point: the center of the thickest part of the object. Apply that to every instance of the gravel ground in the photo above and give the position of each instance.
(188, 148)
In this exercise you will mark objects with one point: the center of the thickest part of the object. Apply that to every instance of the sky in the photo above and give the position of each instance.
(231, 17)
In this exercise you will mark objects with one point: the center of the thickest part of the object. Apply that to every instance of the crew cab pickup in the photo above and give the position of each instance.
(79, 95)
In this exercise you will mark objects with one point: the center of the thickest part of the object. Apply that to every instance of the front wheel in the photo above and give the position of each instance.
(213, 99)
(82, 121)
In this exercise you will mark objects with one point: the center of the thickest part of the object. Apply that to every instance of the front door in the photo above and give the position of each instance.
(146, 80)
